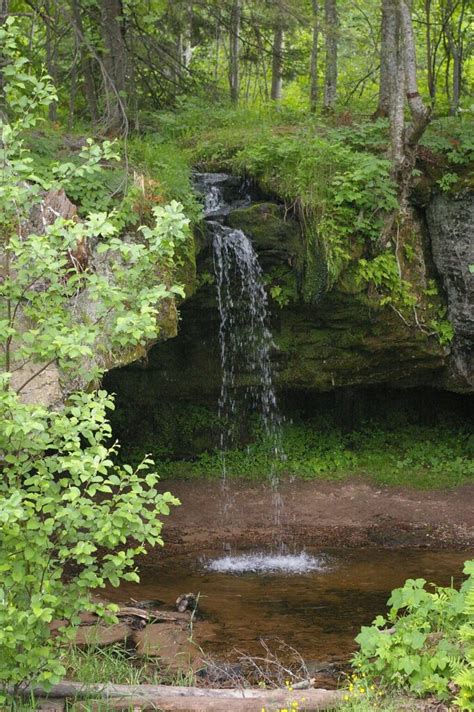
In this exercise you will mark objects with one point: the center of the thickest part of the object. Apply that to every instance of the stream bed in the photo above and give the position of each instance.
(317, 612)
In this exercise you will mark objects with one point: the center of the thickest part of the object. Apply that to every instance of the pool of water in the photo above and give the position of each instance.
(318, 610)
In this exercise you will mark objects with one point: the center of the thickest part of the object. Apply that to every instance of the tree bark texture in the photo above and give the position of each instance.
(420, 115)
(388, 56)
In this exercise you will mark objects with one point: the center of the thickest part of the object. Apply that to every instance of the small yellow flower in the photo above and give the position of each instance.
(372, 687)
(361, 689)
(346, 698)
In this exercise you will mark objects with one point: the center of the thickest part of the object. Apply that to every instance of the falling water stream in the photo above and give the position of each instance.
(247, 389)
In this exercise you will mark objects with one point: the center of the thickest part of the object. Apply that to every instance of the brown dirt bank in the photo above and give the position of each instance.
(348, 514)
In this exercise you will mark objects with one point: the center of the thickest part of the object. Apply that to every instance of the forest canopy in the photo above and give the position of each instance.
(116, 62)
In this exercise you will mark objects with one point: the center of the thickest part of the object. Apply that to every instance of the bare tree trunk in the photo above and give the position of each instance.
(330, 79)
(188, 36)
(396, 90)
(404, 139)
(3, 60)
(314, 83)
(115, 62)
(429, 54)
(234, 54)
(388, 56)
(457, 70)
(86, 63)
(420, 115)
(277, 64)
(50, 58)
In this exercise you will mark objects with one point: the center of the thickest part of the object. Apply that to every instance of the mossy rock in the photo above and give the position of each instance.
(267, 226)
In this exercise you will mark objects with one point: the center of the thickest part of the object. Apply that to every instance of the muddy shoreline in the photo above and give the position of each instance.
(317, 513)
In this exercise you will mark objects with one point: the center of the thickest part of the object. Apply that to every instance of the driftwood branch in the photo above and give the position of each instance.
(192, 699)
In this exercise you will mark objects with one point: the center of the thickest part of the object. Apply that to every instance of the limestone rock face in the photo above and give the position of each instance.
(451, 228)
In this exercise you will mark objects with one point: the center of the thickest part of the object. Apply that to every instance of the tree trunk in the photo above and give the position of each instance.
(86, 63)
(456, 96)
(277, 64)
(396, 91)
(234, 68)
(168, 697)
(330, 79)
(420, 115)
(429, 54)
(3, 18)
(388, 56)
(50, 58)
(115, 62)
(314, 83)
(404, 139)
(188, 35)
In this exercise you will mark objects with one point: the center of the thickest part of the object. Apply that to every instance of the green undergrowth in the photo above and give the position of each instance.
(333, 172)
(136, 174)
(417, 456)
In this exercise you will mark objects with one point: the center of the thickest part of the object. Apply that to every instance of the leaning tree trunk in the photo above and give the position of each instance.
(420, 114)
(277, 64)
(115, 63)
(330, 79)
(234, 53)
(314, 83)
(405, 139)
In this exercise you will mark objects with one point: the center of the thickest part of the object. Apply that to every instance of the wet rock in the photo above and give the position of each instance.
(170, 643)
(276, 236)
(451, 225)
(102, 635)
(186, 602)
(147, 604)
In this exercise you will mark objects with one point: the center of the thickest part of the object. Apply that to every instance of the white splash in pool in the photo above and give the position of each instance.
(262, 563)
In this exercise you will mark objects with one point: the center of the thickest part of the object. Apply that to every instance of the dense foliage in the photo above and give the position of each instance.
(67, 513)
(293, 94)
(426, 642)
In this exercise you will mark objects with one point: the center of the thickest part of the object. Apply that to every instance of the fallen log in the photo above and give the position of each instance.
(193, 699)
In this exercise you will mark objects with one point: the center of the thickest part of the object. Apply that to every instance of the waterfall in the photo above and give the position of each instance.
(245, 346)
(247, 389)
(245, 340)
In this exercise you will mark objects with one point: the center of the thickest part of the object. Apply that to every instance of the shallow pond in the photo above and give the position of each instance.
(318, 612)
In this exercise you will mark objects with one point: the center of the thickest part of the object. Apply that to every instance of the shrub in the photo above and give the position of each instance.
(67, 512)
(425, 643)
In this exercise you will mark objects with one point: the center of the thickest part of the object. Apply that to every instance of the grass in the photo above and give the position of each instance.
(422, 457)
